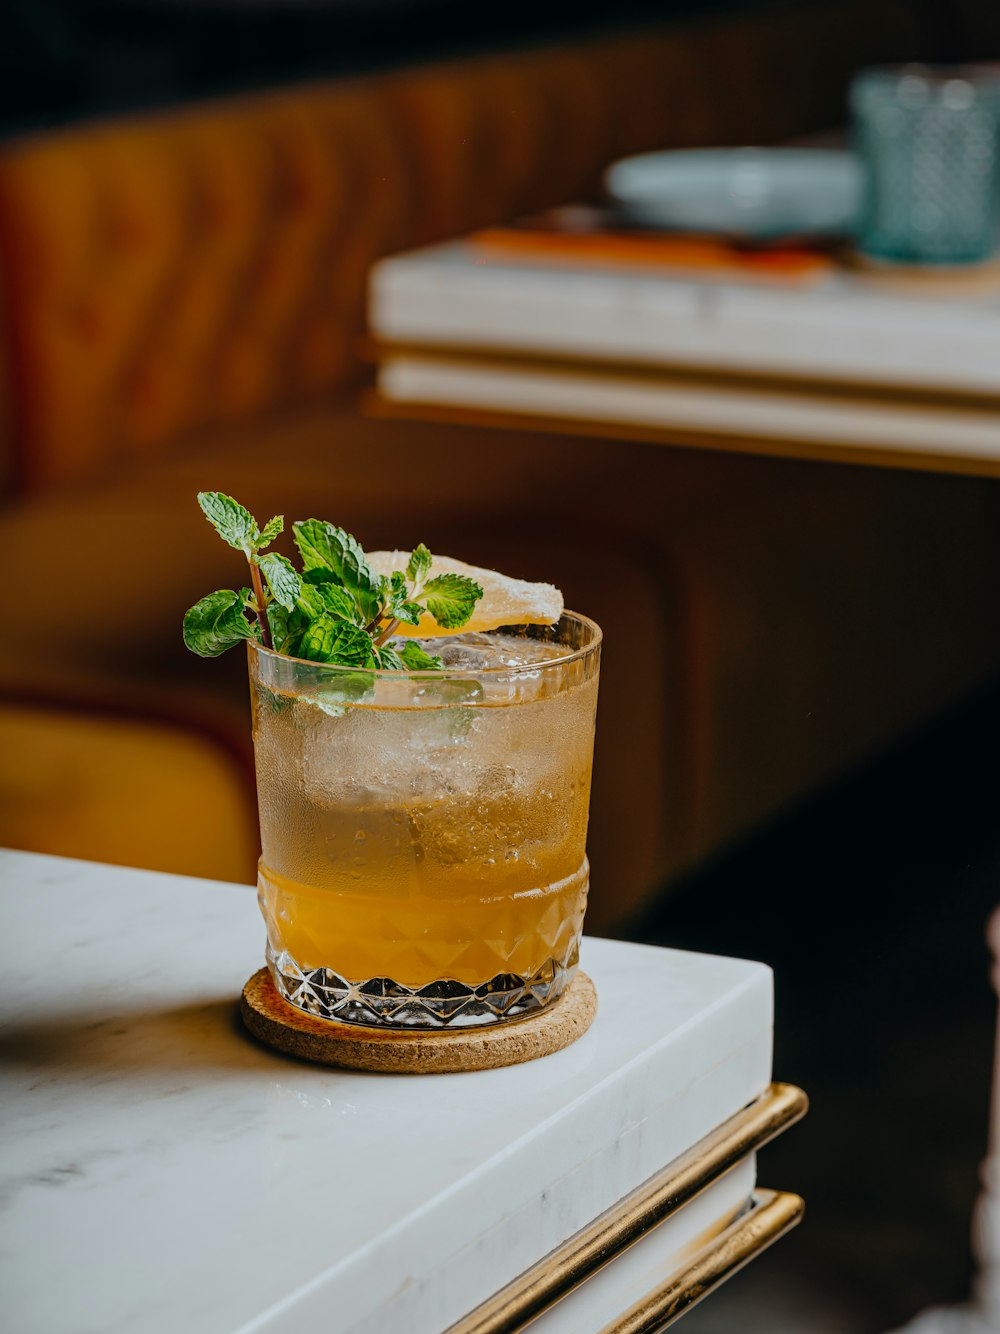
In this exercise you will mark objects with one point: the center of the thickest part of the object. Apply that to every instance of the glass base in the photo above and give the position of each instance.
(381, 1002)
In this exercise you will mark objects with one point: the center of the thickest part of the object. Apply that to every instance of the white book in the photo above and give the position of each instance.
(841, 329)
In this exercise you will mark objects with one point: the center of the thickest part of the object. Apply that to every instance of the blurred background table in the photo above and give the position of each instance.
(673, 341)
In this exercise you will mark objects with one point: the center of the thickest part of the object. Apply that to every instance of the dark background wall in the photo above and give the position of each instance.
(62, 60)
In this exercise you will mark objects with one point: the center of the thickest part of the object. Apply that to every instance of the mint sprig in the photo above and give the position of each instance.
(336, 610)
(414, 659)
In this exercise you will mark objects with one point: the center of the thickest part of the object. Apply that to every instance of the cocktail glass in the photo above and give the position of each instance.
(424, 833)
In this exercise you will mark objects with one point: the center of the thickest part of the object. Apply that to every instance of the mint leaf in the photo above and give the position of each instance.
(217, 622)
(282, 579)
(277, 620)
(398, 604)
(324, 546)
(322, 591)
(388, 659)
(270, 531)
(340, 690)
(331, 598)
(330, 640)
(413, 658)
(271, 700)
(419, 565)
(410, 612)
(231, 520)
(450, 599)
(292, 643)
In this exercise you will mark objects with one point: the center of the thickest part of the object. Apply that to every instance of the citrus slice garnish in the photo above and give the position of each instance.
(505, 601)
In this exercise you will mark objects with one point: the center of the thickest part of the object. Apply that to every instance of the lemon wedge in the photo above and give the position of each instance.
(505, 601)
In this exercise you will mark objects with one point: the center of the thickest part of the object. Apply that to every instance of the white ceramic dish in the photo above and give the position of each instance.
(753, 192)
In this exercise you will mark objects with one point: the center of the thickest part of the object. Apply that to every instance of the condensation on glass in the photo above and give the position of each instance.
(424, 834)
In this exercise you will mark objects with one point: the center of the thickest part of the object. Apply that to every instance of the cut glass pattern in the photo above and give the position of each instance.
(445, 1003)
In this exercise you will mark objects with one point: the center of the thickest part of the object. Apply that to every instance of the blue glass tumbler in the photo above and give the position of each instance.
(930, 143)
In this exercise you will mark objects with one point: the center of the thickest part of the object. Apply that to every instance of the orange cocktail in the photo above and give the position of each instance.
(424, 834)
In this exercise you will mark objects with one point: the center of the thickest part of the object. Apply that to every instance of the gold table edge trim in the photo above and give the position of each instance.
(771, 1214)
(587, 1251)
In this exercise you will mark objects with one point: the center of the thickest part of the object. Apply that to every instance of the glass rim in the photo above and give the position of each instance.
(458, 673)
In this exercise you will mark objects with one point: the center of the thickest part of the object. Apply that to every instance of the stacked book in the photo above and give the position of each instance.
(692, 341)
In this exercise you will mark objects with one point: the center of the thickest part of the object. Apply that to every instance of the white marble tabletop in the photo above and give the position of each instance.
(159, 1171)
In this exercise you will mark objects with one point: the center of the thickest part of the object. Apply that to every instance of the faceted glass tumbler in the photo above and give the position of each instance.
(424, 834)
(930, 143)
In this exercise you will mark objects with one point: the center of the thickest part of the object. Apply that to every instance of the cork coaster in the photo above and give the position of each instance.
(407, 1051)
